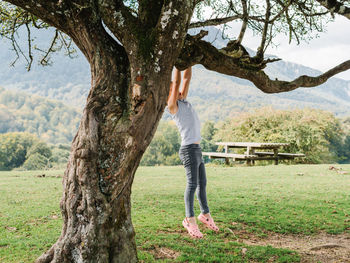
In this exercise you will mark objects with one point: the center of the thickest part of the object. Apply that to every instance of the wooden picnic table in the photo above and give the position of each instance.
(253, 152)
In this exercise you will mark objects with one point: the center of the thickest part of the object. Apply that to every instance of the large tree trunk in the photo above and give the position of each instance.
(118, 123)
(130, 84)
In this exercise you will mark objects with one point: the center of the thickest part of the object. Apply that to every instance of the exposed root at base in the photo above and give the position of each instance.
(47, 257)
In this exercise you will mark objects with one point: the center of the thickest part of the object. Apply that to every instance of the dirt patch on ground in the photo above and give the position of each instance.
(163, 253)
(322, 247)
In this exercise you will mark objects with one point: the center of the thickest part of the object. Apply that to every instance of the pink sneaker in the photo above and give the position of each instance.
(193, 230)
(209, 222)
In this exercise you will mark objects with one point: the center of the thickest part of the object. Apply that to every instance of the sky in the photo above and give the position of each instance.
(323, 53)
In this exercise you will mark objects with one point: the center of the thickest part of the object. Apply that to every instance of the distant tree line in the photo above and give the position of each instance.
(318, 134)
(25, 151)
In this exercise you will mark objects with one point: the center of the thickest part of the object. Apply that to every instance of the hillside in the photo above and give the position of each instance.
(218, 97)
(51, 121)
(215, 96)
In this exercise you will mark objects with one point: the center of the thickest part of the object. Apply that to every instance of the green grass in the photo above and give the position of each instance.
(303, 199)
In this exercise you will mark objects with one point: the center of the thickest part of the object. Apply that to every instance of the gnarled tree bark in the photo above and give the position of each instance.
(130, 84)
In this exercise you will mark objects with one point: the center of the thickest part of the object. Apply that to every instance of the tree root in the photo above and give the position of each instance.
(47, 256)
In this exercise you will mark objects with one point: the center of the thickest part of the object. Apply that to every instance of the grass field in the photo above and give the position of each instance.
(295, 200)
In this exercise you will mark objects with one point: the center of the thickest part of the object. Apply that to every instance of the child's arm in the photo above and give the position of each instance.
(174, 92)
(186, 82)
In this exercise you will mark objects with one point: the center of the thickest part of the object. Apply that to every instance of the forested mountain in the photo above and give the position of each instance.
(51, 121)
(215, 96)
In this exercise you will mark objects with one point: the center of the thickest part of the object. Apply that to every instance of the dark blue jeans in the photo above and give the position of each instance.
(191, 157)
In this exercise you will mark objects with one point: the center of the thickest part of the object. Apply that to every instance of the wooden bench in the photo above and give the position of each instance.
(283, 155)
(227, 156)
(250, 154)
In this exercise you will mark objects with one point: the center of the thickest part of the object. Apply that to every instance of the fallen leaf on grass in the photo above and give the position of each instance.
(334, 168)
(10, 228)
(342, 172)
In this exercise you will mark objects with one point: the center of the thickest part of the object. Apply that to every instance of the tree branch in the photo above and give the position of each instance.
(67, 44)
(335, 6)
(245, 21)
(246, 17)
(52, 12)
(261, 48)
(45, 59)
(12, 19)
(30, 55)
(224, 20)
(215, 21)
(201, 52)
(16, 48)
(280, 13)
(291, 29)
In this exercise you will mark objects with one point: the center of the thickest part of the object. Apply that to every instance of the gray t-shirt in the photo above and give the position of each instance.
(187, 122)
